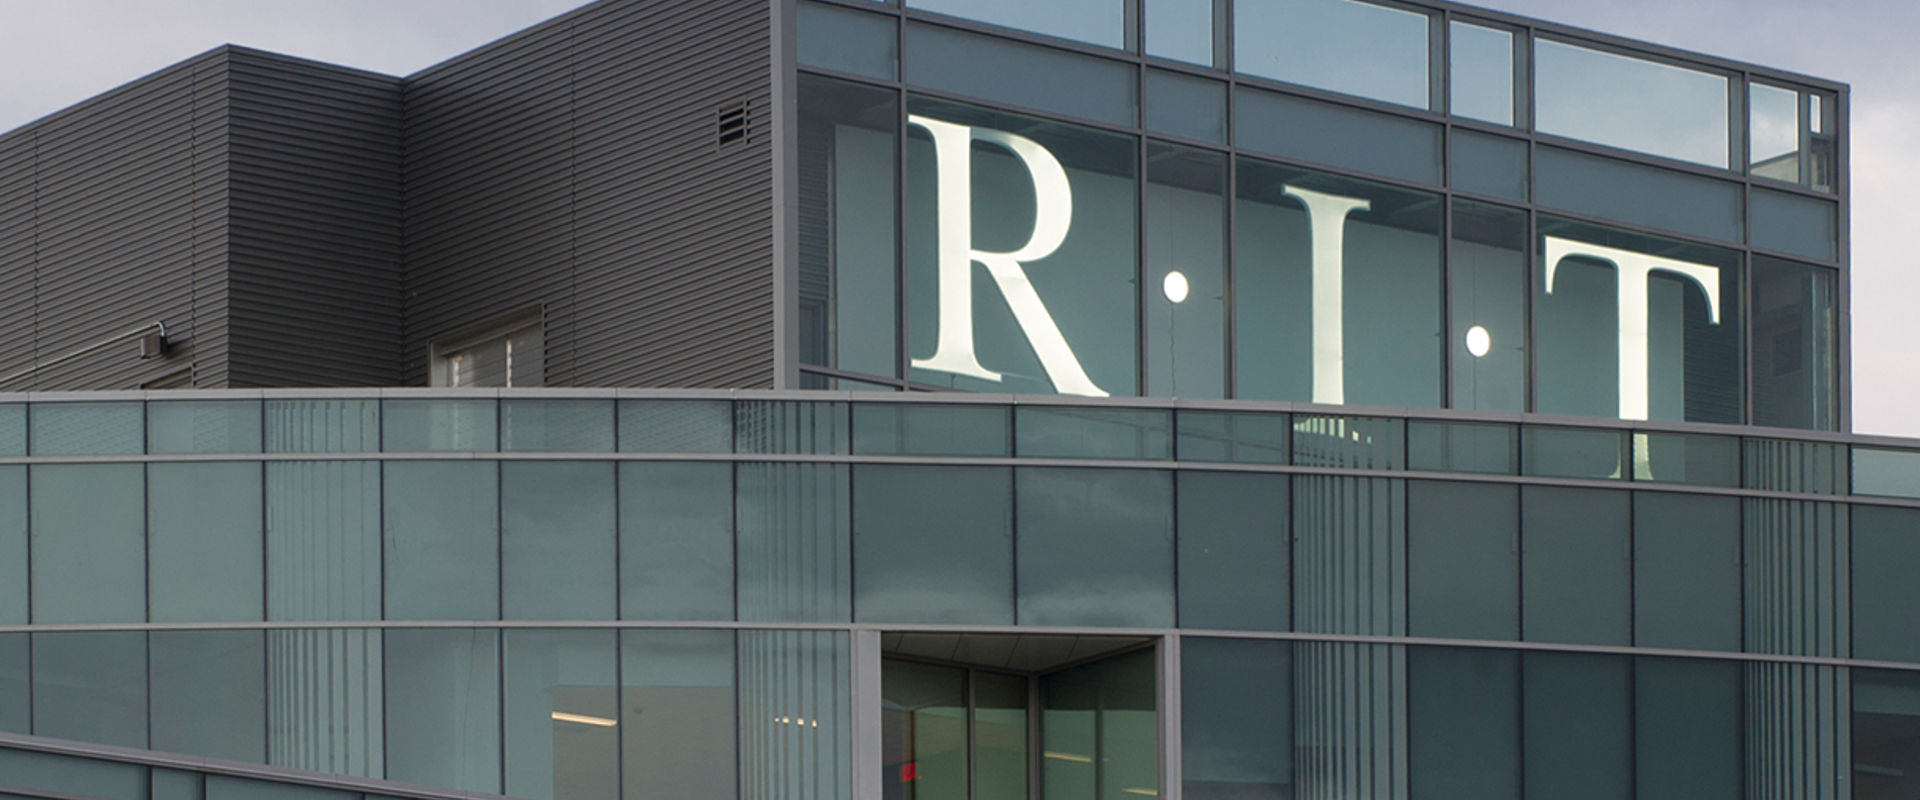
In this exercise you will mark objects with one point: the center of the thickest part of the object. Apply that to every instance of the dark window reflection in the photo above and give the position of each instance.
(847, 167)
(1795, 308)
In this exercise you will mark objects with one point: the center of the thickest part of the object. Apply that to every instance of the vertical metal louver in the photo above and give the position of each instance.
(734, 123)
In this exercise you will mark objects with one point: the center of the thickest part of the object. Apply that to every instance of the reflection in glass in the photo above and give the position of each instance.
(1463, 570)
(1184, 30)
(1686, 458)
(1335, 288)
(677, 714)
(923, 718)
(999, 736)
(438, 425)
(16, 694)
(1249, 437)
(1572, 452)
(1095, 547)
(1185, 296)
(934, 544)
(13, 545)
(925, 429)
(203, 426)
(844, 40)
(1482, 76)
(795, 722)
(1236, 719)
(1886, 723)
(847, 166)
(1101, 22)
(89, 550)
(322, 426)
(1463, 723)
(1490, 165)
(1795, 224)
(1099, 728)
(1688, 734)
(1179, 104)
(100, 694)
(204, 541)
(13, 429)
(1639, 194)
(87, 429)
(1487, 300)
(1463, 447)
(557, 540)
(209, 693)
(1337, 135)
(1577, 719)
(1056, 225)
(556, 426)
(1686, 571)
(1091, 432)
(793, 542)
(1342, 46)
(1000, 70)
(442, 540)
(676, 540)
(1574, 564)
(323, 540)
(1637, 327)
(1886, 545)
(1234, 550)
(443, 708)
(1631, 103)
(676, 426)
(326, 702)
(1775, 132)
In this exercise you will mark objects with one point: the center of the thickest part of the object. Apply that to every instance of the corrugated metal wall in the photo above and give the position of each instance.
(314, 223)
(576, 167)
(112, 217)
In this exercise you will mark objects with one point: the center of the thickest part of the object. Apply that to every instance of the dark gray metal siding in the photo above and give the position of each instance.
(314, 269)
(575, 167)
(110, 218)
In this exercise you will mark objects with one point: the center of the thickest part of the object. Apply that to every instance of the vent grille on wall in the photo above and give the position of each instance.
(734, 123)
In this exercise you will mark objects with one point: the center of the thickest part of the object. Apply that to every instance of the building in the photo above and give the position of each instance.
(1383, 400)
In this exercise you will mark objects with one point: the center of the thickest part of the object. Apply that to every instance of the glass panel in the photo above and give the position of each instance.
(1802, 226)
(13, 545)
(1630, 103)
(1463, 723)
(795, 714)
(16, 694)
(204, 426)
(848, 182)
(1686, 571)
(556, 426)
(1821, 109)
(1101, 22)
(1572, 453)
(210, 693)
(1183, 30)
(1493, 165)
(1463, 447)
(1053, 207)
(171, 784)
(1775, 133)
(1795, 309)
(1236, 719)
(442, 540)
(677, 714)
(205, 537)
(1637, 327)
(1577, 718)
(780, 426)
(793, 542)
(1337, 287)
(222, 787)
(898, 429)
(934, 544)
(1337, 135)
(1350, 442)
(1000, 736)
(1638, 194)
(443, 708)
(88, 543)
(1234, 550)
(557, 552)
(1185, 105)
(1886, 722)
(1254, 438)
(326, 700)
(1685, 458)
(562, 714)
(323, 540)
(923, 731)
(1886, 545)
(1687, 728)
(1886, 473)
(676, 540)
(1482, 72)
(845, 40)
(438, 425)
(1095, 547)
(1186, 282)
(676, 426)
(1487, 298)
(1574, 566)
(87, 429)
(1463, 560)
(100, 692)
(1342, 46)
(13, 429)
(1099, 728)
(1091, 432)
(1788, 466)
(1796, 559)
(994, 69)
(86, 776)
(322, 426)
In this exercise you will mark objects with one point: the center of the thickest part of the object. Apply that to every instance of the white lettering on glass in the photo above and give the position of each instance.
(1053, 212)
(1327, 219)
(1631, 272)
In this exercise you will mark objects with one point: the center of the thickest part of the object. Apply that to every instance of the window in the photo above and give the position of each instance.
(508, 355)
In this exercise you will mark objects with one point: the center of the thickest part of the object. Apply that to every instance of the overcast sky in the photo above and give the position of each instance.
(54, 53)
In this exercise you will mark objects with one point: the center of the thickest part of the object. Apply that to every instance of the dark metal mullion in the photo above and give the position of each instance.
(903, 364)
(1142, 292)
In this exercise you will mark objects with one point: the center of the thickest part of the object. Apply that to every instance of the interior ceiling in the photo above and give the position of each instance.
(1014, 652)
